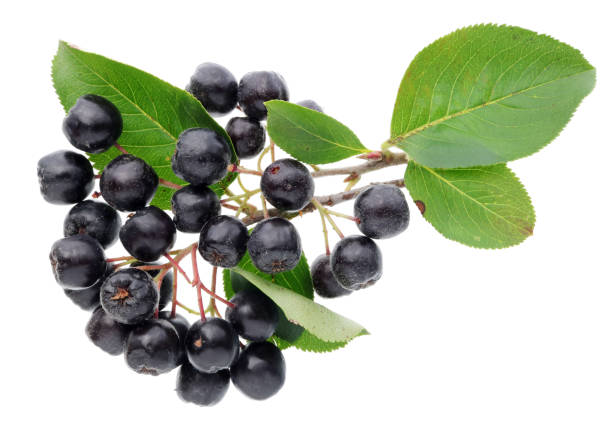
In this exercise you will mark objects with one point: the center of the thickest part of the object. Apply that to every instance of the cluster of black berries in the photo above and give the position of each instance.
(128, 302)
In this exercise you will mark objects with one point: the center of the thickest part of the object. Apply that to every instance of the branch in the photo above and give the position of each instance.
(389, 159)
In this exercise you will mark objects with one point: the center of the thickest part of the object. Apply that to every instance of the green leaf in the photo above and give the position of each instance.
(310, 136)
(487, 94)
(154, 112)
(483, 207)
(322, 323)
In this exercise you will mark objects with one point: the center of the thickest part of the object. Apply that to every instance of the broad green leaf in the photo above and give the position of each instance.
(483, 207)
(322, 323)
(154, 112)
(310, 136)
(487, 94)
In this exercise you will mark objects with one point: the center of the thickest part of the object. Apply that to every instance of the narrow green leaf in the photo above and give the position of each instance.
(487, 94)
(154, 112)
(310, 136)
(483, 207)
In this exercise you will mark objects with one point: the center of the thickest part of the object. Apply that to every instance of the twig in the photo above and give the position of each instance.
(389, 159)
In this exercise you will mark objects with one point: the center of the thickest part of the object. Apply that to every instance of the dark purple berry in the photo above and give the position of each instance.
(211, 344)
(287, 185)
(311, 105)
(257, 87)
(215, 87)
(89, 298)
(193, 206)
(148, 234)
(323, 280)
(129, 296)
(356, 262)
(248, 136)
(106, 333)
(77, 261)
(275, 245)
(96, 219)
(254, 315)
(203, 389)
(382, 211)
(152, 347)
(128, 183)
(181, 325)
(223, 241)
(65, 177)
(166, 290)
(259, 372)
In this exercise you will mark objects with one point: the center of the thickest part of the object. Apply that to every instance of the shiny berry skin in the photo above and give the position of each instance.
(248, 136)
(211, 344)
(311, 105)
(257, 87)
(323, 280)
(275, 245)
(287, 185)
(152, 347)
(181, 325)
(254, 315)
(65, 177)
(129, 296)
(77, 261)
(148, 234)
(193, 206)
(128, 183)
(93, 124)
(382, 211)
(106, 333)
(201, 156)
(259, 372)
(96, 219)
(223, 241)
(356, 262)
(215, 87)
(203, 389)
(88, 298)
(166, 290)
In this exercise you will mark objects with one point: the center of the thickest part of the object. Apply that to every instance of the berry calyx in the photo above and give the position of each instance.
(128, 183)
(223, 241)
(254, 315)
(215, 87)
(323, 280)
(259, 372)
(382, 211)
(193, 206)
(211, 344)
(287, 184)
(275, 245)
(257, 87)
(247, 135)
(152, 347)
(129, 296)
(148, 234)
(311, 105)
(203, 389)
(88, 298)
(65, 177)
(93, 124)
(96, 219)
(356, 262)
(106, 333)
(77, 261)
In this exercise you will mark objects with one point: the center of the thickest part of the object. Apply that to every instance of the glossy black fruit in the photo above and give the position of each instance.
(382, 211)
(128, 183)
(193, 206)
(248, 136)
(152, 347)
(65, 177)
(311, 105)
(203, 389)
(129, 296)
(77, 261)
(260, 370)
(166, 290)
(88, 298)
(93, 124)
(254, 315)
(96, 219)
(181, 325)
(211, 344)
(215, 87)
(275, 245)
(148, 234)
(356, 262)
(201, 156)
(106, 333)
(323, 280)
(223, 241)
(287, 185)
(257, 87)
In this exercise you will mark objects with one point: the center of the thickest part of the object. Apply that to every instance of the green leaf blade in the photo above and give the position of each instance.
(310, 136)
(487, 94)
(483, 207)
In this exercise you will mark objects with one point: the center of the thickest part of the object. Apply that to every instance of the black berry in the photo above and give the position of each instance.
(323, 280)
(152, 347)
(254, 315)
(215, 87)
(356, 262)
(260, 370)
(223, 241)
(148, 234)
(247, 135)
(77, 261)
(96, 219)
(311, 105)
(193, 206)
(106, 333)
(128, 183)
(257, 87)
(203, 389)
(65, 177)
(201, 156)
(93, 124)
(211, 344)
(287, 185)
(181, 325)
(166, 289)
(129, 296)
(275, 245)
(89, 298)
(382, 211)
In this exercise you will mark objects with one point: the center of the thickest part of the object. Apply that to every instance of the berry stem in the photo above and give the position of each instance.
(242, 170)
(158, 280)
(121, 149)
(213, 287)
(238, 198)
(230, 206)
(328, 217)
(119, 259)
(265, 206)
(261, 156)
(169, 184)
(272, 156)
(196, 280)
(325, 234)
(174, 295)
(342, 215)
(191, 311)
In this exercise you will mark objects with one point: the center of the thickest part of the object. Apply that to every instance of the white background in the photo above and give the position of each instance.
(460, 337)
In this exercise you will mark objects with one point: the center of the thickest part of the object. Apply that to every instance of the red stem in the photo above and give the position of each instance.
(121, 149)
(196, 280)
(169, 184)
(174, 285)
